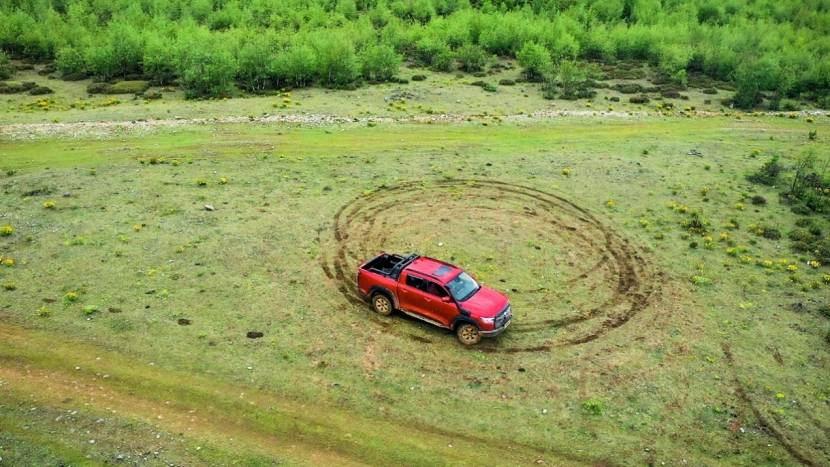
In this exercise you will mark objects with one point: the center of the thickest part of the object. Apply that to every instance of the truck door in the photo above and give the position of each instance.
(425, 297)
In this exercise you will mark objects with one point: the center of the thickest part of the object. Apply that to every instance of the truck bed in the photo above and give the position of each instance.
(387, 264)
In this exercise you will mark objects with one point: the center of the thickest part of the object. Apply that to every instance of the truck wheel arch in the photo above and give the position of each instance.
(459, 320)
(384, 291)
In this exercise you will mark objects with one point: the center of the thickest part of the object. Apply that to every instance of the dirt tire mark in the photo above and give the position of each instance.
(770, 426)
(356, 235)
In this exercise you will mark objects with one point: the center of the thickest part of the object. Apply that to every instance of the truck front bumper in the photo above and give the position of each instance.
(497, 331)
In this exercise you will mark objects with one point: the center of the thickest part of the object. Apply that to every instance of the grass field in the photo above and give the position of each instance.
(123, 318)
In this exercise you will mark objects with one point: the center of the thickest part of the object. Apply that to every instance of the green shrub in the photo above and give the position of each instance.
(256, 66)
(297, 66)
(337, 64)
(535, 61)
(471, 58)
(570, 77)
(69, 61)
(5, 66)
(768, 174)
(118, 51)
(206, 67)
(159, 61)
(380, 63)
(128, 87)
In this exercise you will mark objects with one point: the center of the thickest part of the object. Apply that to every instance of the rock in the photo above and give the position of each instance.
(694, 152)
(184, 322)
(254, 334)
(209, 207)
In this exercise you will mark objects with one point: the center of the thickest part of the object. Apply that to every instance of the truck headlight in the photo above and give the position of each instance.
(488, 320)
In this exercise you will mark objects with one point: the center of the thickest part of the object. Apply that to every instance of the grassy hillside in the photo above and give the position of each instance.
(767, 50)
(659, 318)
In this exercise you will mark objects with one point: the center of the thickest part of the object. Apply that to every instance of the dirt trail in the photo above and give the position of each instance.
(48, 368)
(102, 129)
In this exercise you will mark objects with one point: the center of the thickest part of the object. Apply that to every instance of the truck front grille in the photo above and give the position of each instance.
(503, 317)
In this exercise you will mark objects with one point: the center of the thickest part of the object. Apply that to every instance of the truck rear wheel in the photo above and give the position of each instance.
(468, 334)
(382, 304)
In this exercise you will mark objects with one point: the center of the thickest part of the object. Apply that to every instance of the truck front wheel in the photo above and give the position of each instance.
(468, 334)
(382, 304)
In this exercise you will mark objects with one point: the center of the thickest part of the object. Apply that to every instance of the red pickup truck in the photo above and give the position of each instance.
(436, 292)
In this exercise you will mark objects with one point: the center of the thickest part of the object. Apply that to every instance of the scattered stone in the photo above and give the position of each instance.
(694, 152)
(209, 207)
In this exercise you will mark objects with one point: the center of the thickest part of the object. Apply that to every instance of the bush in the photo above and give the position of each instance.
(507, 82)
(159, 61)
(40, 90)
(116, 52)
(255, 64)
(768, 173)
(638, 99)
(419, 77)
(128, 87)
(570, 77)
(471, 58)
(206, 68)
(6, 69)
(297, 66)
(380, 63)
(535, 61)
(337, 64)
(69, 61)
(758, 200)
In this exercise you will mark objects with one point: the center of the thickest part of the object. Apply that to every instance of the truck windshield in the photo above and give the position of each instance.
(463, 287)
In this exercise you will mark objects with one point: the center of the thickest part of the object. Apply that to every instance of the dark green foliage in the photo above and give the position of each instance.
(40, 90)
(641, 99)
(419, 77)
(471, 58)
(5, 66)
(768, 173)
(758, 200)
(679, 39)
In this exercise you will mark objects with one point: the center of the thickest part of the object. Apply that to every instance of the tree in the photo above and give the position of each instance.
(206, 67)
(570, 77)
(159, 60)
(535, 61)
(297, 66)
(380, 63)
(5, 66)
(69, 61)
(337, 64)
(255, 63)
(471, 58)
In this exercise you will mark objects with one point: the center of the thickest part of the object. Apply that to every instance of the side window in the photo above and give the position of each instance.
(434, 289)
(414, 281)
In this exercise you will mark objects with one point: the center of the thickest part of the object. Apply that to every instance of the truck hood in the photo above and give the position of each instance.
(486, 303)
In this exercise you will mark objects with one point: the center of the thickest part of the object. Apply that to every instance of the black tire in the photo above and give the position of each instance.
(468, 334)
(382, 304)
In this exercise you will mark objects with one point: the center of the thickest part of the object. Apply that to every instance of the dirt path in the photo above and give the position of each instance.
(102, 129)
(47, 368)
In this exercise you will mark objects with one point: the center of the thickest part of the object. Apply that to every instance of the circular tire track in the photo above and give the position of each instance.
(620, 278)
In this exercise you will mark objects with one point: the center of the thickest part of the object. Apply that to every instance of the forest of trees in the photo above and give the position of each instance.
(779, 47)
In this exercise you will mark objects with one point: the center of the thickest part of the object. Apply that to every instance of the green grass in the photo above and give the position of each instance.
(133, 240)
(441, 93)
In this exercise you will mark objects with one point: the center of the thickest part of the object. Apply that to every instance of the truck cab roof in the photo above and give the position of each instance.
(437, 269)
